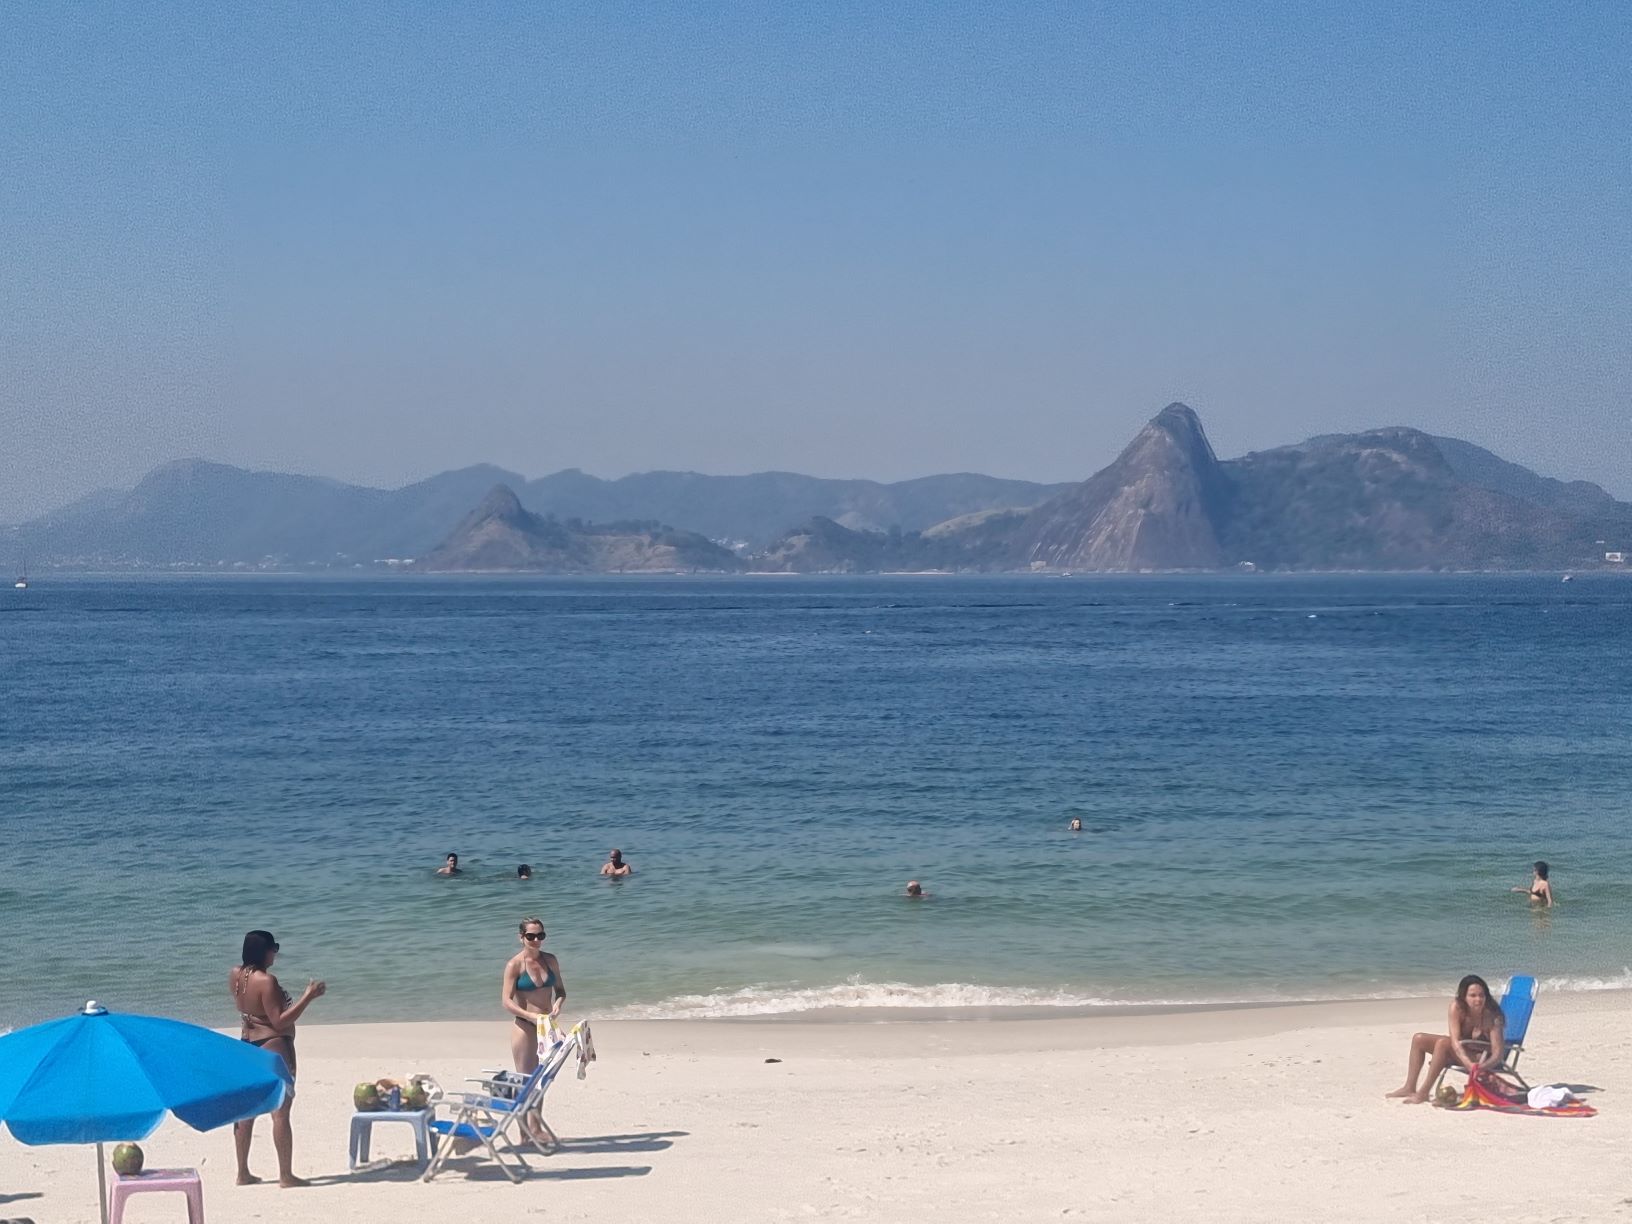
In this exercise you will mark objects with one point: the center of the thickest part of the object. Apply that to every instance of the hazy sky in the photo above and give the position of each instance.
(377, 241)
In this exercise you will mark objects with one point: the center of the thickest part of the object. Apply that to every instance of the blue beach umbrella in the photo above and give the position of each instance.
(98, 1077)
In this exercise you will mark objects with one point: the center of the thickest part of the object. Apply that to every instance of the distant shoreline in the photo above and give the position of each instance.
(398, 574)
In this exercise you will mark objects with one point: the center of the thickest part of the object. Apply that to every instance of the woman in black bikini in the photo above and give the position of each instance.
(268, 1017)
(530, 988)
(1475, 1021)
(1541, 888)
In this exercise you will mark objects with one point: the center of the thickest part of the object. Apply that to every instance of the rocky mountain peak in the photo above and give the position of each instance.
(1158, 506)
(501, 503)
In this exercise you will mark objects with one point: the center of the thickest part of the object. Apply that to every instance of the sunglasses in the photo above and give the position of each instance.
(532, 936)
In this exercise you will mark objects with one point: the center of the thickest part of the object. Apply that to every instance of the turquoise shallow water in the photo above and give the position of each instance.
(1298, 787)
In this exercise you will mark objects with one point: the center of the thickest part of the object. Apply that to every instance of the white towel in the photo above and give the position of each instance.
(1550, 1096)
(586, 1047)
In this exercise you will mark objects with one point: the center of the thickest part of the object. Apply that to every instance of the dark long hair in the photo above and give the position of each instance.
(1492, 1008)
(1541, 870)
(258, 945)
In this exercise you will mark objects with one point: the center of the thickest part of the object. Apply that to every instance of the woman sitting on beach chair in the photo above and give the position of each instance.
(1475, 1021)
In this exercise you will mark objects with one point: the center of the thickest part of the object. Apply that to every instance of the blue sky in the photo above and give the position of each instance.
(375, 241)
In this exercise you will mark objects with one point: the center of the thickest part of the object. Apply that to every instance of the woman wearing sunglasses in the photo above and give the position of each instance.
(268, 1016)
(532, 989)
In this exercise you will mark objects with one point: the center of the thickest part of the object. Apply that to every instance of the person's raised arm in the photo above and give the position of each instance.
(507, 991)
(281, 1017)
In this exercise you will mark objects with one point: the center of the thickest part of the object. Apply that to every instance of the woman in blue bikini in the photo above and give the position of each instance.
(532, 989)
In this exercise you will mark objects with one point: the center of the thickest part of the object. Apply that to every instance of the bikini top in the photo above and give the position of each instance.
(525, 981)
(262, 1021)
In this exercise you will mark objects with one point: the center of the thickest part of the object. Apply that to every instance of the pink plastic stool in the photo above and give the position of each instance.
(184, 1181)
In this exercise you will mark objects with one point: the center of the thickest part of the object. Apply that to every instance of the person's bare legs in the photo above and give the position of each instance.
(283, 1139)
(1423, 1045)
(524, 1053)
(283, 1135)
(242, 1133)
(1442, 1057)
(524, 1047)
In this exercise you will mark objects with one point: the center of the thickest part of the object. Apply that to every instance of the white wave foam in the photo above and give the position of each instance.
(1619, 981)
(856, 994)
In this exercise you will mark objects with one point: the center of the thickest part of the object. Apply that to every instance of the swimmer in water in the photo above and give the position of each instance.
(449, 868)
(1541, 889)
(615, 867)
(1076, 824)
(915, 890)
(524, 872)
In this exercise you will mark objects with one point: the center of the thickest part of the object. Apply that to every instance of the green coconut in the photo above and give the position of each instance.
(127, 1160)
(415, 1098)
(365, 1097)
(1448, 1097)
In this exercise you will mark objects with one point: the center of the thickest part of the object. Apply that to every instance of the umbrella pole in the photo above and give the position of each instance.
(102, 1183)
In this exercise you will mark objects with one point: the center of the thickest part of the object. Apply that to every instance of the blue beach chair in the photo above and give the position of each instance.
(496, 1121)
(1518, 1003)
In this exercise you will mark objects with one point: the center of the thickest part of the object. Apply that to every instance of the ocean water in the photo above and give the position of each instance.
(1292, 788)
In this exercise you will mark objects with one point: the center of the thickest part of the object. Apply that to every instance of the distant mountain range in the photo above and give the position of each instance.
(1395, 499)
(501, 536)
(192, 512)
(1387, 499)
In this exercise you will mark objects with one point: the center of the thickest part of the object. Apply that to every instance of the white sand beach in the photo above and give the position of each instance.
(1255, 1114)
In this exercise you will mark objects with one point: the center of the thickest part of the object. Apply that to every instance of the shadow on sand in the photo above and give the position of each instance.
(647, 1141)
(473, 1168)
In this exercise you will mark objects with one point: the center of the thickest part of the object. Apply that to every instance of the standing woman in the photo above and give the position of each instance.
(268, 1016)
(1541, 889)
(530, 989)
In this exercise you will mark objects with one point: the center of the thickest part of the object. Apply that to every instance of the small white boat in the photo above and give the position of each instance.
(1567, 578)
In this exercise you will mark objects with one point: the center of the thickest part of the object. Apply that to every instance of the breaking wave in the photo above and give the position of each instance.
(852, 994)
(858, 995)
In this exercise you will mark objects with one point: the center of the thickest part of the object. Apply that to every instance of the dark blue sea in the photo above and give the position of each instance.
(1291, 787)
